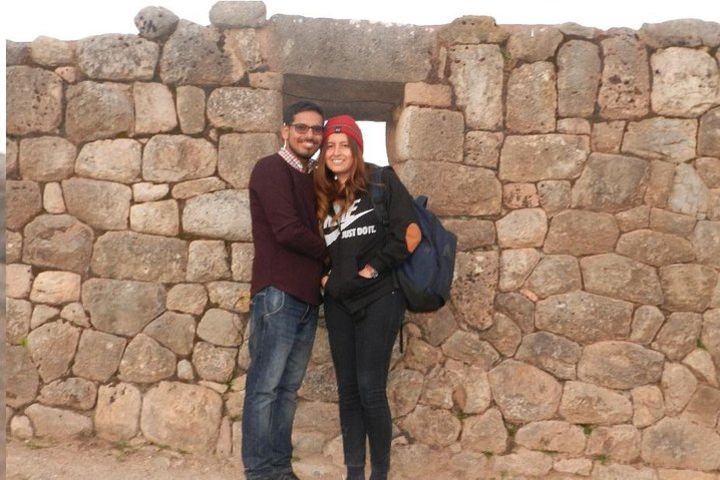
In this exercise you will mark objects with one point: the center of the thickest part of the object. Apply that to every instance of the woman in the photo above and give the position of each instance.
(363, 306)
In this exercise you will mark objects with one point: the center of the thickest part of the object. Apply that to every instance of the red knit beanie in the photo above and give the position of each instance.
(344, 124)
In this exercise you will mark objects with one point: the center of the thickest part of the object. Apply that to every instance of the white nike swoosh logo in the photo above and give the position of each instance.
(350, 219)
(344, 223)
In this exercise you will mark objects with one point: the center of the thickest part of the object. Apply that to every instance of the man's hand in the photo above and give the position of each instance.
(368, 272)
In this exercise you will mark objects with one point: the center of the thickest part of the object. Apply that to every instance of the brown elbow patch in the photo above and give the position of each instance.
(412, 237)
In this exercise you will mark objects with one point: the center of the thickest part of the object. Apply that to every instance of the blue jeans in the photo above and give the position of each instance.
(282, 332)
(361, 347)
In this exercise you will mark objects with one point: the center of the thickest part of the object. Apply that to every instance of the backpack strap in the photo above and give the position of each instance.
(377, 187)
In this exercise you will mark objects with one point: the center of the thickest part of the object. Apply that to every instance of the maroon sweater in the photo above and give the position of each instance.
(289, 250)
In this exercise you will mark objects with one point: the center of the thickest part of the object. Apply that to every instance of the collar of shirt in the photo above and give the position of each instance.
(295, 162)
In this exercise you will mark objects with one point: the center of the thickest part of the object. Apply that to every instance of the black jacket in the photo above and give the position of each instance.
(361, 239)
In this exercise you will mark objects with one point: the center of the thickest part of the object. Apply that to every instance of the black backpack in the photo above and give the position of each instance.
(425, 277)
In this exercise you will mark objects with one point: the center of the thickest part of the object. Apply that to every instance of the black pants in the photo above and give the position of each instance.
(361, 347)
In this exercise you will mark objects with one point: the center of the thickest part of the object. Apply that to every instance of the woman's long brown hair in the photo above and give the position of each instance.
(327, 189)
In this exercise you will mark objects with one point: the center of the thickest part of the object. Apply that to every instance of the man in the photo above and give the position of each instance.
(289, 253)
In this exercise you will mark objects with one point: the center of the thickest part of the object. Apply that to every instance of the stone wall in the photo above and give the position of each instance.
(580, 169)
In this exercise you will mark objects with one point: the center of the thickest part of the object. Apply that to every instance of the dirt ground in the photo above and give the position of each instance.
(96, 460)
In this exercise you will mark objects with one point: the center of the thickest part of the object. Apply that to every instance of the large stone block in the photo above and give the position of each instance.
(575, 315)
(647, 320)
(555, 274)
(706, 240)
(578, 78)
(238, 152)
(46, 159)
(159, 218)
(476, 280)
(113, 160)
(515, 266)
(146, 361)
(620, 277)
(58, 241)
(73, 392)
(429, 134)
(586, 403)
(221, 327)
(52, 347)
(655, 248)
(670, 139)
(23, 202)
(238, 14)
(482, 149)
(17, 320)
(224, 214)
(193, 188)
(103, 205)
(155, 22)
(709, 168)
(476, 74)
(404, 388)
(687, 287)
(620, 365)
(685, 32)
(472, 29)
(154, 108)
(552, 436)
(678, 443)
(56, 288)
(175, 331)
(689, 195)
(117, 416)
(579, 232)
(611, 183)
(245, 109)
(212, 363)
(531, 98)
(679, 335)
(98, 110)
(438, 428)
(678, 385)
(195, 55)
(122, 307)
(136, 256)
(554, 354)
(34, 101)
(174, 158)
(454, 189)
(188, 298)
(485, 433)
(405, 55)
(522, 228)
(117, 57)
(625, 88)
(181, 416)
(529, 158)
(466, 347)
(524, 393)
(21, 377)
(191, 108)
(686, 82)
(534, 43)
(98, 355)
(58, 424)
(709, 135)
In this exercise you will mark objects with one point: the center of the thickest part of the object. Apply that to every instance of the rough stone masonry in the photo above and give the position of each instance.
(580, 169)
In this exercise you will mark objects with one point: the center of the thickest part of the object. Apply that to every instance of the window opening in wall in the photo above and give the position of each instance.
(374, 138)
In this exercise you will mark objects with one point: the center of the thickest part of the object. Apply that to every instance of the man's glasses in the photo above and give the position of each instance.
(301, 128)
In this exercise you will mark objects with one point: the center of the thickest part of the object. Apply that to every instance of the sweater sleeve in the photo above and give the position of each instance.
(403, 223)
(272, 186)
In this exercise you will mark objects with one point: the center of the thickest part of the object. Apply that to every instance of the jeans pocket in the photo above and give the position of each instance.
(274, 301)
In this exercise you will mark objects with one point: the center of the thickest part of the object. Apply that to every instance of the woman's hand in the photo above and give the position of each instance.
(323, 281)
(368, 272)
